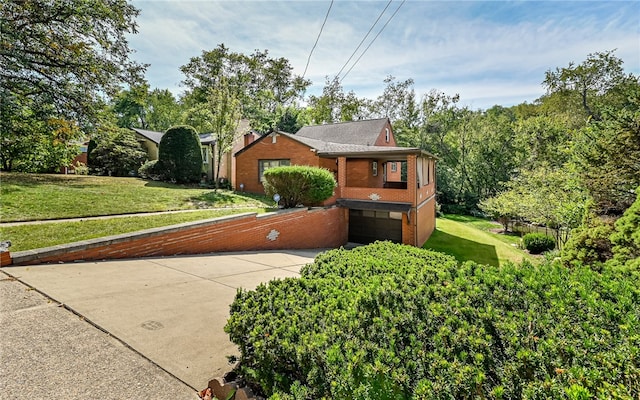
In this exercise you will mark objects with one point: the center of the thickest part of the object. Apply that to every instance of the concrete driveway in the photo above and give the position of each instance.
(170, 310)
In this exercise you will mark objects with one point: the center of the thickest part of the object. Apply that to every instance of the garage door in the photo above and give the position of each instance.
(367, 226)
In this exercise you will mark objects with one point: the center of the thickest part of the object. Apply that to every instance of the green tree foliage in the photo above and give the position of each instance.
(299, 184)
(179, 155)
(258, 81)
(587, 81)
(66, 54)
(33, 139)
(550, 197)
(388, 321)
(333, 105)
(607, 153)
(590, 243)
(130, 106)
(626, 239)
(163, 110)
(120, 155)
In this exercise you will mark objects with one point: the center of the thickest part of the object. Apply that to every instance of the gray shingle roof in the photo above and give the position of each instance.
(151, 135)
(357, 132)
(205, 138)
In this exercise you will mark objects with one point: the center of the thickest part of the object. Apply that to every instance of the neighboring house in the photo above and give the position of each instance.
(150, 140)
(367, 164)
(79, 160)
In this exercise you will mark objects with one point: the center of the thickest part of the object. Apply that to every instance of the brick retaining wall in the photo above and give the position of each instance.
(285, 229)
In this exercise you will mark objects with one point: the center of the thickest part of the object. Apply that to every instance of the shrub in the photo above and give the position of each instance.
(120, 156)
(151, 170)
(538, 243)
(589, 244)
(388, 321)
(299, 184)
(179, 155)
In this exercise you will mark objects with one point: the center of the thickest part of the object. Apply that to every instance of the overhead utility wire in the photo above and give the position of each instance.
(364, 38)
(374, 39)
(318, 38)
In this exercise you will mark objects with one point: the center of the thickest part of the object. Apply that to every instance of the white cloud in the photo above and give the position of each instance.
(489, 52)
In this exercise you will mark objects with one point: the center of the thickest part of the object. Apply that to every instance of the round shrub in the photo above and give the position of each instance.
(538, 243)
(151, 170)
(180, 155)
(388, 321)
(299, 184)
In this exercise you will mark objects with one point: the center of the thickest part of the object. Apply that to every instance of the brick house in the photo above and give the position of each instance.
(378, 202)
(150, 141)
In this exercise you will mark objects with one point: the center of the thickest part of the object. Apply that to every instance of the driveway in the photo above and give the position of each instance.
(170, 310)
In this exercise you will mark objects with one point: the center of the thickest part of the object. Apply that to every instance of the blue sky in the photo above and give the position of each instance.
(489, 52)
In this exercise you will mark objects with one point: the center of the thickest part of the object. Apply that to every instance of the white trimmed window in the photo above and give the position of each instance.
(264, 165)
(205, 155)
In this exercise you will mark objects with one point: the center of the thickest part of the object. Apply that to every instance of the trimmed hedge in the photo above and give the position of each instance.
(299, 184)
(538, 243)
(180, 155)
(388, 321)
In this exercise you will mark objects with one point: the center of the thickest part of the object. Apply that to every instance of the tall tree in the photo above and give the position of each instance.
(260, 82)
(334, 105)
(599, 73)
(163, 110)
(226, 113)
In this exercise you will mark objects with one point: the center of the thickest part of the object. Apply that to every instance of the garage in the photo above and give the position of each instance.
(367, 226)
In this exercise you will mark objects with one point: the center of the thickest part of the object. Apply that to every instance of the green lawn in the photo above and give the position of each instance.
(469, 238)
(27, 197)
(27, 237)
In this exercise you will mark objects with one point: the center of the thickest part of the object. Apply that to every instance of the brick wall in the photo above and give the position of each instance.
(286, 229)
(426, 220)
(276, 147)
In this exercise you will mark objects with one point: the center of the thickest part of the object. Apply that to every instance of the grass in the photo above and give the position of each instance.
(27, 237)
(28, 197)
(470, 239)
(31, 197)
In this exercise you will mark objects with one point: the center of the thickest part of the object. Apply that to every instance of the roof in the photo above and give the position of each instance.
(151, 135)
(155, 137)
(363, 132)
(331, 149)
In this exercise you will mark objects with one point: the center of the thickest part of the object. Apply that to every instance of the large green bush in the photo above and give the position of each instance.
(389, 321)
(538, 243)
(299, 184)
(180, 155)
(121, 155)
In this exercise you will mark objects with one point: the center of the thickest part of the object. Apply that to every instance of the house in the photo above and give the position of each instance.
(380, 201)
(150, 141)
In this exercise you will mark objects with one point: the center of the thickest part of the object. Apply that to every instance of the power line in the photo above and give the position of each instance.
(374, 39)
(318, 38)
(364, 38)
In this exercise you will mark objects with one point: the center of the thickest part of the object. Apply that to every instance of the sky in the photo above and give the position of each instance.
(488, 52)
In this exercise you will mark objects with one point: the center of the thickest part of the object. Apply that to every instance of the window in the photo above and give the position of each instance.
(394, 167)
(264, 165)
(205, 155)
(374, 168)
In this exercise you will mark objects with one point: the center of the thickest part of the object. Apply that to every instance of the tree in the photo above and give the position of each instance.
(598, 74)
(130, 106)
(225, 110)
(66, 53)
(180, 154)
(258, 81)
(163, 110)
(336, 106)
(121, 155)
(607, 154)
(33, 138)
